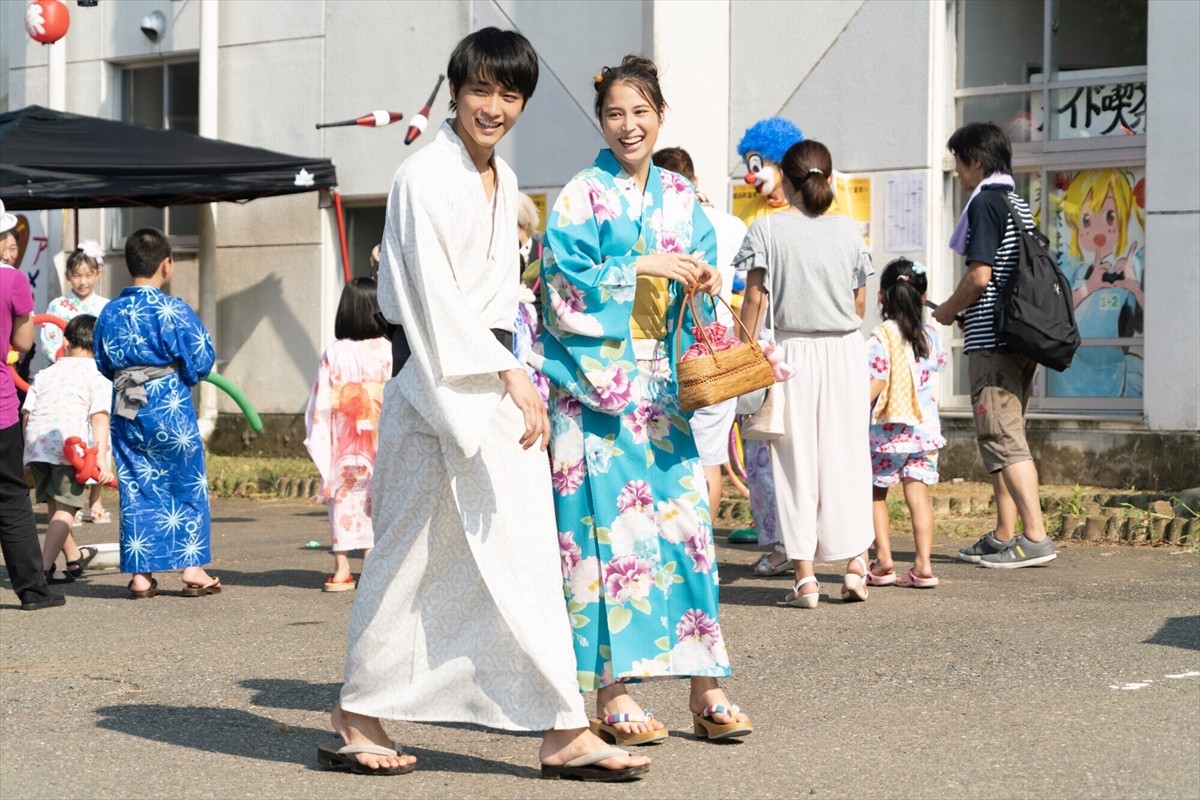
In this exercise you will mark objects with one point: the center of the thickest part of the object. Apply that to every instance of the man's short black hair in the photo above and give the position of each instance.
(145, 249)
(80, 331)
(985, 142)
(490, 55)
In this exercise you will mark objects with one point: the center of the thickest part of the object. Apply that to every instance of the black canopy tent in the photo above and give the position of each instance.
(52, 159)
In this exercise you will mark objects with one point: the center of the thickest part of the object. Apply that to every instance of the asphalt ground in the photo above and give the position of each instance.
(1080, 679)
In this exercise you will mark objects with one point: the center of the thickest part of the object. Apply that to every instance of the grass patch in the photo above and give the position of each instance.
(228, 475)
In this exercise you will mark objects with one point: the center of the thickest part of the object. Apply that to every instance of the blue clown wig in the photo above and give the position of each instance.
(771, 137)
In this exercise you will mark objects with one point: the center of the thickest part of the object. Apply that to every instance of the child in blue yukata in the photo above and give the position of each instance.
(154, 348)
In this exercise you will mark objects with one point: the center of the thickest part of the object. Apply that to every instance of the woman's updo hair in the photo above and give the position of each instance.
(638, 72)
(808, 166)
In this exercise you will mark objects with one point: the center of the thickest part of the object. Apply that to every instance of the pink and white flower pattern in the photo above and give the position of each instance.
(627, 577)
(898, 437)
(637, 496)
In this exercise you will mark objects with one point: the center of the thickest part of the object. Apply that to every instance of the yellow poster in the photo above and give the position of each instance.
(853, 199)
(741, 197)
(539, 200)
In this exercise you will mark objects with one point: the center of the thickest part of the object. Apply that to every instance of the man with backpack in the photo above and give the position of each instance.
(988, 237)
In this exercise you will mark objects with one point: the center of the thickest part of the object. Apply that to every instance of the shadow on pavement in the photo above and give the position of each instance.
(1181, 632)
(294, 694)
(215, 730)
(240, 733)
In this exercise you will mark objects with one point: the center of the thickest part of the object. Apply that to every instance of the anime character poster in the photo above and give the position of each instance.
(1100, 243)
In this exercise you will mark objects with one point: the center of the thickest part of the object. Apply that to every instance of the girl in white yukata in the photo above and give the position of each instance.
(342, 424)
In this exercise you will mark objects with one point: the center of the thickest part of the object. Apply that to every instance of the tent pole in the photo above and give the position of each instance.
(209, 77)
(341, 222)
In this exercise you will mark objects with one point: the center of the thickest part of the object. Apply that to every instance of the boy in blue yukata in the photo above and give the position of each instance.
(154, 348)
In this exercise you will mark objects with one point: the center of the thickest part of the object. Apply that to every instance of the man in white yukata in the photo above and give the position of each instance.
(459, 615)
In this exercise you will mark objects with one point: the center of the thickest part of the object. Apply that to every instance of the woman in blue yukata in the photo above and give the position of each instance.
(624, 242)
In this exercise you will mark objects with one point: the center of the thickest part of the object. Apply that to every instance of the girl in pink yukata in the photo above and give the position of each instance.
(903, 354)
(342, 424)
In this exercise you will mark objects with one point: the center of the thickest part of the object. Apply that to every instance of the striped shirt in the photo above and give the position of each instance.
(991, 239)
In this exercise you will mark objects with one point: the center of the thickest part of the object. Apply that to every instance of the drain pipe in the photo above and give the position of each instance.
(209, 38)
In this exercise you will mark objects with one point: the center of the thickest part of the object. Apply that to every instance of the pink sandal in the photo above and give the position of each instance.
(874, 579)
(914, 581)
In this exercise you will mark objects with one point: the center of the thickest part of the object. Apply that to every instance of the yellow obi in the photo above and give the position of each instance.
(649, 319)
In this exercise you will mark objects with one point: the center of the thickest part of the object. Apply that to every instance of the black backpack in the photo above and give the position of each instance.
(1035, 315)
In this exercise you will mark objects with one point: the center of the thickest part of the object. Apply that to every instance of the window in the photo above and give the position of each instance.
(1081, 166)
(161, 96)
(364, 231)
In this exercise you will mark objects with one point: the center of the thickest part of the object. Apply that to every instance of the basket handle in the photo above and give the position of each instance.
(691, 302)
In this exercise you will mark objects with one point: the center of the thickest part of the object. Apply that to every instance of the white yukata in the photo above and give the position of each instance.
(459, 615)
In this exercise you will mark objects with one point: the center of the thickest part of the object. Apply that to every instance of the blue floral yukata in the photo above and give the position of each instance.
(165, 521)
(635, 532)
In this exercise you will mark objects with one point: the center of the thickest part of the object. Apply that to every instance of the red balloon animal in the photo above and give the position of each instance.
(83, 459)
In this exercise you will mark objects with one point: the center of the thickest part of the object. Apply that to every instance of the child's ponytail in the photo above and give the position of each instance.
(902, 289)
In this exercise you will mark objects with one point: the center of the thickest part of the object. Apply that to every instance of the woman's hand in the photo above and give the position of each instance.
(709, 278)
(527, 399)
(675, 266)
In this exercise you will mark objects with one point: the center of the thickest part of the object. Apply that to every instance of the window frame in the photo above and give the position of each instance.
(184, 243)
(1041, 159)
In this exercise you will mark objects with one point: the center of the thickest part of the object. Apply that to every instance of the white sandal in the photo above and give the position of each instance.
(797, 600)
(854, 587)
(764, 568)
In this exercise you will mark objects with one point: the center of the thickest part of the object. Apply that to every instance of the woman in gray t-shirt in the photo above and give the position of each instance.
(812, 268)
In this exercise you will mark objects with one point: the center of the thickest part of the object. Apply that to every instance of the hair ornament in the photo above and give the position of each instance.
(815, 171)
(902, 278)
(598, 79)
(91, 248)
(918, 268)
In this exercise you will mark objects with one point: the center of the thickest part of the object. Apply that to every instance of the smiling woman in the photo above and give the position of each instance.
(624, 241)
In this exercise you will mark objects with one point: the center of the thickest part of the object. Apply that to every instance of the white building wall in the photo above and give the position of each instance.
(870, 78)
(1172, 380)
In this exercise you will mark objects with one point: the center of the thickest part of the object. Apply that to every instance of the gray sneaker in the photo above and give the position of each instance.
(987, 545)
(1022, 553)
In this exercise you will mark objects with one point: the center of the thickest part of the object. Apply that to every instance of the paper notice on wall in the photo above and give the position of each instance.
(853, 199)
(904, 212)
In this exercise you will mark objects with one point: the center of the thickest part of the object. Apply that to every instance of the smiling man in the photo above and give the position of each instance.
(460, 615)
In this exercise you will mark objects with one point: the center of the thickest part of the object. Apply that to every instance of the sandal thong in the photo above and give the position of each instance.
(704, 726)
(201, 589)
(142, 594)
(344, 757)
(340, 586)
(914, 581)
(854, 586)
(797, 600)
(606, 729)
(584, 768)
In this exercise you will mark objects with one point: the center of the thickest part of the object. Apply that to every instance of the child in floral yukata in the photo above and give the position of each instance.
(83, 273)
(906, 434)
(70, 398)
(342, 423)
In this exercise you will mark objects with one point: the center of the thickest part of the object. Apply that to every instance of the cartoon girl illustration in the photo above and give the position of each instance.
(1105, 264)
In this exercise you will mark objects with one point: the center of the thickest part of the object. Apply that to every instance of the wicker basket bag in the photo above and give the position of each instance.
(708, 379)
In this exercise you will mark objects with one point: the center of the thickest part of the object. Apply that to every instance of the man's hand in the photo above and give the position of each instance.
(527, 399)
(944, 314)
